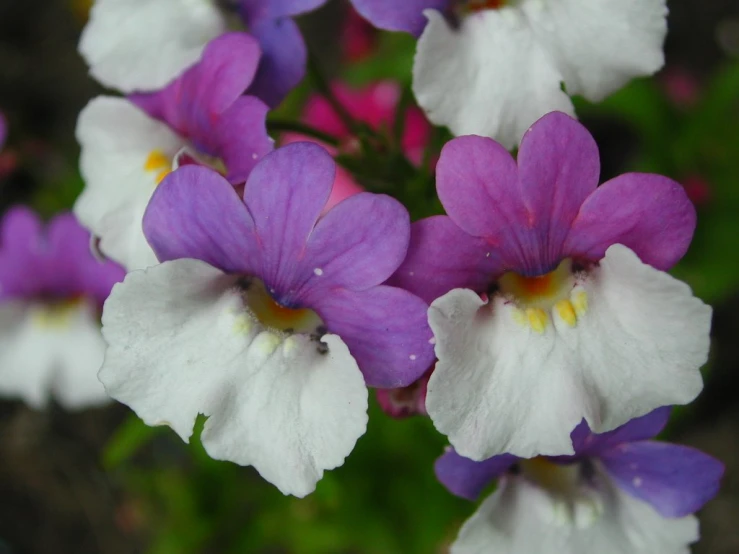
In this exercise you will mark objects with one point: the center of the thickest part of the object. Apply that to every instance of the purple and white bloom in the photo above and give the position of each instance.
(141, 45)
(620, 492)
(51, 294)
(130, 145)
(266, 316)
(493, 67)
(552, 301)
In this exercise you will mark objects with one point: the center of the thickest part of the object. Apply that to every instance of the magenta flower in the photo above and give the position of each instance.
(554, 305)
(266, 316)
(620, 492)
(51, 293)
(128, 147)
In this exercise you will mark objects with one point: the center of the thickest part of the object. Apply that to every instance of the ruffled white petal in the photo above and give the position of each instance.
(521, 518)
(503, 386)
(599, 45)
(51, 351)
(117, 139)
(182, 343)
(488, 77)
(141, 45)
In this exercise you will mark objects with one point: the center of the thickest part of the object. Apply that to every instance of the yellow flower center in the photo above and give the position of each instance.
(539, 298)
(272, 314)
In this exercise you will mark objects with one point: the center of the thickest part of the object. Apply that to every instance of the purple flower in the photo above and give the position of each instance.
(266, 316)
(619, 491)
(553, 305)
(51, 292)
(128, 147)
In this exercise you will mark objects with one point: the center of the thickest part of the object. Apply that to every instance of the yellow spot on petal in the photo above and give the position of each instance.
(267, 343)
(157, 162)
(56, 315)
(537, 319)
(243, 325)
(519, 316)
(580, 302)
(567, 312)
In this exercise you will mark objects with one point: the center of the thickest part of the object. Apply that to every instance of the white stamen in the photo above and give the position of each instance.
(412, 356)
(318, 271)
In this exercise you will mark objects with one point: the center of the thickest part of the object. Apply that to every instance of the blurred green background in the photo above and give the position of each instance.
(102, 482)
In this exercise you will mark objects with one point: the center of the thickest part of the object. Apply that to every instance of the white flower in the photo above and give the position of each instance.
(503, 68)
(125, 154)
(556, 509)
(51, 350)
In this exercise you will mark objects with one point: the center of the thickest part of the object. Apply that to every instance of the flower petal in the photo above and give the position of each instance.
(640, 343)
(386, 331)
(600, 45)
(587, 443)
(467, 479)
(241, 138)
(284, 57)
(356, 245)
(477, 182)
(191, 103)
(285, 195)
(255, 10)
(196, 213)
(442, 257)
(558, 167)
(181, 343)
(521, 518)
(676, 480)
(650, 214)
(469, 78)
(399, 16)
(44, 350)
(22, 269)
(117, 139)
(499, 386)
(135, 45)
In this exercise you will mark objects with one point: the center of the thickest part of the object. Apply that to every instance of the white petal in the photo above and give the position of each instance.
(44, 353)
(116, 140)
(141, 45)
(600, 44)
(181, 343)
(488, 77)
(501, 386)
(498, 385)
(521, 518)
(642, 340)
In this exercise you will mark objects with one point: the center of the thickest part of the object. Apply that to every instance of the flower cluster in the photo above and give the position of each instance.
(535, 323)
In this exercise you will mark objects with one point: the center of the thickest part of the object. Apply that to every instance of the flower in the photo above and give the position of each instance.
(376, 105)
(266, 317)
(492, 67)
(620, 492)
(128, 147)
(51, 294)
(554, 304)
(141, 45)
